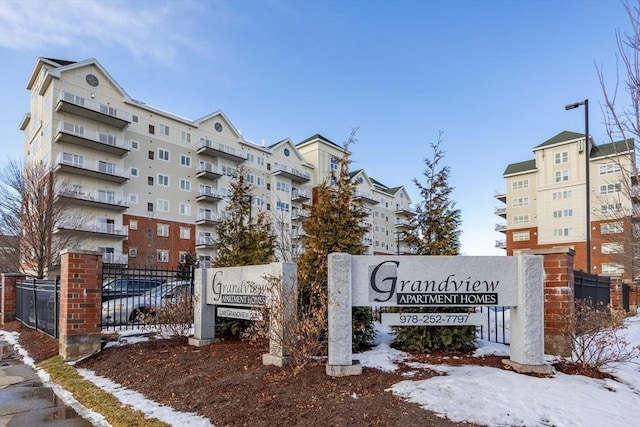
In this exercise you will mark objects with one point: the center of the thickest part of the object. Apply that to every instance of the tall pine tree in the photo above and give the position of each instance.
(335, 224)
(437, 232)
(244, 239)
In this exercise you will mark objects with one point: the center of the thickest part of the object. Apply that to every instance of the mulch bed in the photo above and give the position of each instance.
(227, 383)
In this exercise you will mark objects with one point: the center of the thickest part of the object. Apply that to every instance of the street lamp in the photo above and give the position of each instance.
(587, 154)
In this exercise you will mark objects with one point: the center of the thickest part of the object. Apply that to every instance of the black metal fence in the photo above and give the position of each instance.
(593, 288)
(38, 304)
(625, 297)
(130, 296)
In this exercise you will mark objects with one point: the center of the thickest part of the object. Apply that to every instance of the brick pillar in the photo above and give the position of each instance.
(8, 297)
(634, 295)
(80, 303)
(615, 293)
(559, 297)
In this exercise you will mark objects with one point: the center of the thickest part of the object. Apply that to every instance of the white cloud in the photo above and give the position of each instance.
(153, 29)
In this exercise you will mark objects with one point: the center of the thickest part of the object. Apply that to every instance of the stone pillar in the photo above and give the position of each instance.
(634, 295)
(559, 297)
(80, 304)
(8, 297)
(204, 323)
(340, 363)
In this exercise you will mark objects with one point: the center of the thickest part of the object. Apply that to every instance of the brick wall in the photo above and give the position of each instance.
(8, 297)
(80, 304)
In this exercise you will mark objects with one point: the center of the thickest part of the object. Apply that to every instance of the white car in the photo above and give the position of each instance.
(132, 309)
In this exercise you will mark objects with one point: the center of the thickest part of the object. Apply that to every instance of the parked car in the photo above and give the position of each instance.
(123, 287)
(132, 309)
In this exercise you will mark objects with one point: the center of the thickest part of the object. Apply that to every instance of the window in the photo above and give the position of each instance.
(609, 168)
(520, 236)
(185, 233)
(251, 158)
(185, 160)
(133, 172)
(163, 230)
(164, 130)
(133, 198)
(163, 255)
(150, 180)
(107, 167)
(562, 232)
(283, 186)
(562, 176)
(183, 256)
(282, 206)
(259, 181)
(163, 180)
(334, 163)
(523, 183)
(152, 155)
(229, 171)
(610, 188)
(612, 248)
(611, 228)
(612, 208)
(562, 157)
(163, 205)
(185, 184)
(562, 213)
(133, 252)
(150, 207)
(562, 195)
(186, 137)
(260, 161)
(152, 129)
(250, 178)
(163, 154)
(73, 159)
(520, 201)
(521, 219)
(135, 118)
(185, 209)
(133, 224)
(612, 268)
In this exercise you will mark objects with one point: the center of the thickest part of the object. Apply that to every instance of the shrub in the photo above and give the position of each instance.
(175, 317)
(593, 335)
(425, 339)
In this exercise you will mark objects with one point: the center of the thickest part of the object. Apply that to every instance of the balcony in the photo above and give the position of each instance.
(72, 133)
(405, 211)
(299, 214)
(208, 196)
(208, 170)
(500, 196)
(403, 224)
(292, 173)
(93, 197)
(298, 233)
(98, 169)
(367, 225)
(635, 193)
(300, 195)
(100, 229)
(367, 242)
(365, 197)
(92, 110)
(502, 212)
(207, 147)
(208, 218)
(501, 228)
(121, 259)
(206, 242)
(501, 244)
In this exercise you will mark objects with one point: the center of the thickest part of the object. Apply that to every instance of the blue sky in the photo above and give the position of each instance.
(493, 75)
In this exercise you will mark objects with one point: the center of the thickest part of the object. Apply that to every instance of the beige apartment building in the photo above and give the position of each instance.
(146, 187)
(545, 203)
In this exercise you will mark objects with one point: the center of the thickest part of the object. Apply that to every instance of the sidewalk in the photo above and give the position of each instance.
(25, 401)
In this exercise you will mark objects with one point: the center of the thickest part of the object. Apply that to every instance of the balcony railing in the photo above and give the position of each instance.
(92, 196)
(403, 223)
(501, 244)
(366, 196)
(405, 211)
(501, 227)
(299, 213)
(500, 195)
(293, 173)
(214, 149)
(206, 241)
(208, 170)
(93, 227)
(80, 165)
(115, 259)
(88, 108)
(501, 212)
(87, 137)
(298, 194)
(209, 217)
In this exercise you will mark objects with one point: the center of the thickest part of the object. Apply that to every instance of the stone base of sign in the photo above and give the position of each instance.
(529, 369)
(201, 343)
(269, 359)
(76, 347)
(344, 370)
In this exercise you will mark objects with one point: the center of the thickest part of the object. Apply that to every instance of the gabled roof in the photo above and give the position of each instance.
(317, 136)
(561, 137)
(613, 148)
(288, 142)
(520, 167)
(61, 62)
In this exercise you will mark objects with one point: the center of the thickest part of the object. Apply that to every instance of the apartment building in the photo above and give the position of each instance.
(545, 203)
(146, 187)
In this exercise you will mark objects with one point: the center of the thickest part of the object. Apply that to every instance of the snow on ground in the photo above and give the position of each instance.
(483, 395)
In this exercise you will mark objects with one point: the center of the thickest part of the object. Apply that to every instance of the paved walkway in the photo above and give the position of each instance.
(25, 401)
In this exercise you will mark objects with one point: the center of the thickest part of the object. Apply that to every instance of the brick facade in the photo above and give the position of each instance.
(8, 297)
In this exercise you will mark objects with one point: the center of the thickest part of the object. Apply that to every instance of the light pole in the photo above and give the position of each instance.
(587, 149)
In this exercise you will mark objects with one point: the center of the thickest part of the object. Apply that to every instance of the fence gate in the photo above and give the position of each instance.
(594, 288)
(38, 304)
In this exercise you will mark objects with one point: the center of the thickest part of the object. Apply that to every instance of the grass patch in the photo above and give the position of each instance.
(94, 398)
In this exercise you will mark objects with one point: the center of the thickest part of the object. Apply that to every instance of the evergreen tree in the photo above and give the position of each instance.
(244, 239)
(437, 232)
(334, 225)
